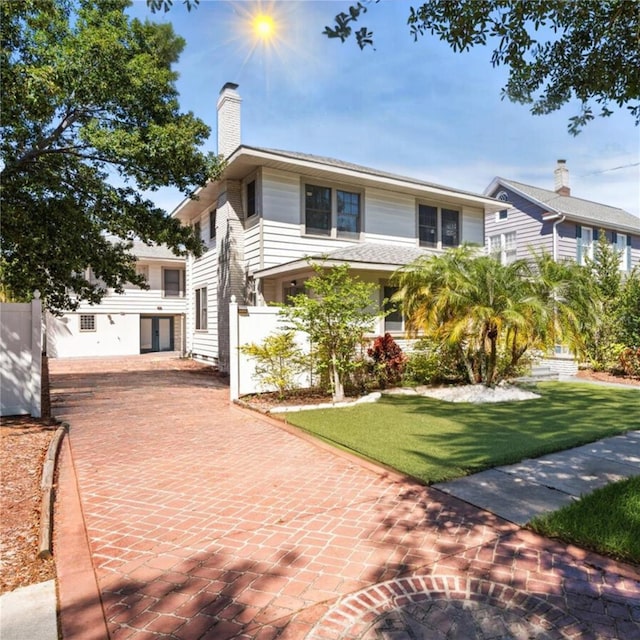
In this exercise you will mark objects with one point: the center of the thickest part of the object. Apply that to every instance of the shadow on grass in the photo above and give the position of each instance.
(435, 441)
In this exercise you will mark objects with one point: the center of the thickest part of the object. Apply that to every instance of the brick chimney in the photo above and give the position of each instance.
(561, 179)
(228, 119)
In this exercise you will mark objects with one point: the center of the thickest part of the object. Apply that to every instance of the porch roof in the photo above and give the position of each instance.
(363, 257)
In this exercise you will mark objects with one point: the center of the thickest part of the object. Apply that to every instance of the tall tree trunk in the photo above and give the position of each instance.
(338, 389)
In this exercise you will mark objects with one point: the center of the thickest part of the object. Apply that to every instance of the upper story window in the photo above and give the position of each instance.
(197, 229)
(502, 215)
(201, 309)
(622, 244)
(584, 244)
(173, 283)
(332, 212)
(212, 224)
(438, 227)
(251, 198)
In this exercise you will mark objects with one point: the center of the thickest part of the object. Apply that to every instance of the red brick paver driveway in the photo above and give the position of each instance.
(205, 521)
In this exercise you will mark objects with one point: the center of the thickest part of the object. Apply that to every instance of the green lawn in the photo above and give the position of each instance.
(435, 441)
(607, 521)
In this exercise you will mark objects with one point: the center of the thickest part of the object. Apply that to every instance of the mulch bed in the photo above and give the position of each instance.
(23, 447)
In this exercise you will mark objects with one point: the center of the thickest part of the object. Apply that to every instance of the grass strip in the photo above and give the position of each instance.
(606, 521)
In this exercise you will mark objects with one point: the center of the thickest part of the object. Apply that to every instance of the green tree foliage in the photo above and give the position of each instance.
(279, 361)
(90, 119)
(482, 309)
(165, 5)
(628, 310)
(336, 314)
(556, 50)
(604, 270)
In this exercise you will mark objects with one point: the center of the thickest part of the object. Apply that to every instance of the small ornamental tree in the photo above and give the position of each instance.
(279, 361)
(388, 360)
(336, 314)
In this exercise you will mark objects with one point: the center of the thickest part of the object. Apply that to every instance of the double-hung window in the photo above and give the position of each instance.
(584, 244)
(503, 247)
(251, 199)
(201, 309)
(438, 227)
(623, 247)
(332, 212)
(393, 320)
(173, 283)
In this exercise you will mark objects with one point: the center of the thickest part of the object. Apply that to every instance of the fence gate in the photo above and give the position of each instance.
(20, 358)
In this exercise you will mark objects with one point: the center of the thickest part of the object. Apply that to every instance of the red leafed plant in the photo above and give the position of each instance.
(388, 360)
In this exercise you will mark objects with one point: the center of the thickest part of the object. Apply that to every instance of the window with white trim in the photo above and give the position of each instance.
(622, 246)
(201, 308)
(438, 227)
(332, 212)
(584, 244)
(251, 199)
(173, 283)
(87, 322)
(503, 247)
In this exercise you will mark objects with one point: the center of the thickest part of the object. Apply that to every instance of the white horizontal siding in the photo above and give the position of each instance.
(203, 273)
(252, 247)
(390, 215)
(281, 196)
(283, 243)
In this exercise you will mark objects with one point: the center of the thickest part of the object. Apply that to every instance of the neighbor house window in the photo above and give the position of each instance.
(197, 229)
(439, 228)
(173, 283)
(87, 322)
(503, 248)
(201, 309)
(212, 224)
(623, 246)
(251, 198)
(332, 212)
(502, 215)
(584, 244)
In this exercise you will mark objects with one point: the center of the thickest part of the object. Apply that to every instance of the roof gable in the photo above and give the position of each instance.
(579, 209)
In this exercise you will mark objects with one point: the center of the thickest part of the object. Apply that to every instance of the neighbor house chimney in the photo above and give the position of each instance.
(228, 119)
(561, 176)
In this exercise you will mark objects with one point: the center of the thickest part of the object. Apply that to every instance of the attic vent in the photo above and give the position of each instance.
(503, 195)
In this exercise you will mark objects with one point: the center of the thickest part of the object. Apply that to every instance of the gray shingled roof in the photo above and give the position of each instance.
(341, 164)
(377, 254)
(157, 252)
(577, 207)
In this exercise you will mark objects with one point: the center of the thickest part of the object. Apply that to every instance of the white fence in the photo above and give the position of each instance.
(247, 325)
(21, 358)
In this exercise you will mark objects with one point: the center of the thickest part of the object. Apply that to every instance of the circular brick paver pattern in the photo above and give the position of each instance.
(443, 608)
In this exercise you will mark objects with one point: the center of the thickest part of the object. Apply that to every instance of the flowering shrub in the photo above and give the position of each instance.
(388, 360)
(629, 361)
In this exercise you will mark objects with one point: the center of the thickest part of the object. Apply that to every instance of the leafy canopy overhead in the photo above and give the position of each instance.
(556, 50)
(90, 119)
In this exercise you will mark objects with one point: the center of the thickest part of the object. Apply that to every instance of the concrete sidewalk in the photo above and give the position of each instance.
(29, 613)
(182, 517)
(519, 492)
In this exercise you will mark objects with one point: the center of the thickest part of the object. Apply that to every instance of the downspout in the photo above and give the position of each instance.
(560, 219)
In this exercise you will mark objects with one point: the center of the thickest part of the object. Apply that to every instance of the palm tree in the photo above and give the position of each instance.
(483, 308)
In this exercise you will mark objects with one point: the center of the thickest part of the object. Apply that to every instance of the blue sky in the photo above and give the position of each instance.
(413, 108)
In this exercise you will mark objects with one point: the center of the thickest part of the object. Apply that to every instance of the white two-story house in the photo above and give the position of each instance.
(271, 210)
(137, 321)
